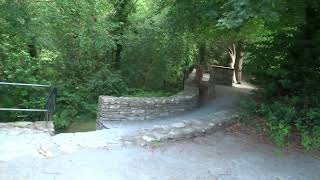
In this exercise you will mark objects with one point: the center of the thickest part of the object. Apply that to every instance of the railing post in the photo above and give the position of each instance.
(47, 116)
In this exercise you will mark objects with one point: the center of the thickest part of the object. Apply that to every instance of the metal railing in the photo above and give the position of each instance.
(50, 106)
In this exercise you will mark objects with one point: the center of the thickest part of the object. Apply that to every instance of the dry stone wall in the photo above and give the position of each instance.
(145, 108)
(221, 75)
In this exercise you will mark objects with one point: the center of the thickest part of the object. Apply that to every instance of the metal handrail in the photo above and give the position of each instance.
(25, 110)
(50, 104)
(22, 84)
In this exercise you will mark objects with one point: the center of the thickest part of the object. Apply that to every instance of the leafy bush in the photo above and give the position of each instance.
(285, 115)
(309, 126)
(286, 67)
(155, 60)
(79, 102)
(248, 108)
(133, 92)
(107, 82)
(279, 118)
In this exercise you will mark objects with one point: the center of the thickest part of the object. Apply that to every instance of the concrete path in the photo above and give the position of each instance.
(111, 154)
(17, 142)
(215, 157)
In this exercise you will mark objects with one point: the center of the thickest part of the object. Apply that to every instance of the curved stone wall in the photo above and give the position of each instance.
(145, 108)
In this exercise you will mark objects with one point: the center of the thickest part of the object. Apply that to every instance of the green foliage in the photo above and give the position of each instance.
(144, 93)
(284, 115)
(248, 107)
(311, 138)
(74, 45)
(236, 13)
(150, 62)
(279, 118)
(79, 126)
(309, 126)
(285, 64)
(106, 82)
(142, 48)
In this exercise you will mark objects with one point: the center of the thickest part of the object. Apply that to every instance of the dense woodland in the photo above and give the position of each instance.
(145, 48)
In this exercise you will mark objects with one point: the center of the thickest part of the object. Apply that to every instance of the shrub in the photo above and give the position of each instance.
(279, 117)
(284, 115)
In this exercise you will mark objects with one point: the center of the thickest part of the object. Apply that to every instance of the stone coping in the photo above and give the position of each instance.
(187, 92)
(222, 67)
(28, 127)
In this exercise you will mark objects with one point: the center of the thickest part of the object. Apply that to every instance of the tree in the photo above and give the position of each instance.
(121, 11)
(218, 20)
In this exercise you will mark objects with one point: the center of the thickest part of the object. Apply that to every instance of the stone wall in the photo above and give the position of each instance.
(221, 75)
(207, 92)
(145, 108)
(25, 127)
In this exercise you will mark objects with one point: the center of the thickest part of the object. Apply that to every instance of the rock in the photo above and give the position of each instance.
(159, 136)
(179, 125)
(197, 121)
(23, 127)
(147, 138)
(138, 111)
(22, 124)
(45, 152)
(128, 142)
(175, 134)
(157, 126)
(45, 126)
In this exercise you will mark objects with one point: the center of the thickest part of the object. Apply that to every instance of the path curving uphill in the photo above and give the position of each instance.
(112, 153)
(214, 115)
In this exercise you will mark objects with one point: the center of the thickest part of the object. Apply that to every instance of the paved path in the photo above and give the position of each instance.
(213, 115)
(214, 157)
(110, 154)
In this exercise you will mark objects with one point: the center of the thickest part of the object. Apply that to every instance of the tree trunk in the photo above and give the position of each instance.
(233, 55)
(239, 63)
(199, 67)
(121, 15)
(199, 74)
(33, 50)
(117, 60)
(303, 61)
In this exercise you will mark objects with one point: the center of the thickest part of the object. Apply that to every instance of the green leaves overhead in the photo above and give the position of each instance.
(237, 13)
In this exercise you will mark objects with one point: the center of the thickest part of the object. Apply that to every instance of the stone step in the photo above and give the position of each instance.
(183, 129)
(26, 127)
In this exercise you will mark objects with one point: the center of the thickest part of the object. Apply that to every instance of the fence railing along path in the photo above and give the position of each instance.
(48, 109)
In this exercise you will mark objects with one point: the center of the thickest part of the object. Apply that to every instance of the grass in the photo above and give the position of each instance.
(146, 93)
(79, 126)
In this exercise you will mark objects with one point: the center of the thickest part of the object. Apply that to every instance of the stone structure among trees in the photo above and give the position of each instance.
(145, 108)
(221, 75)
